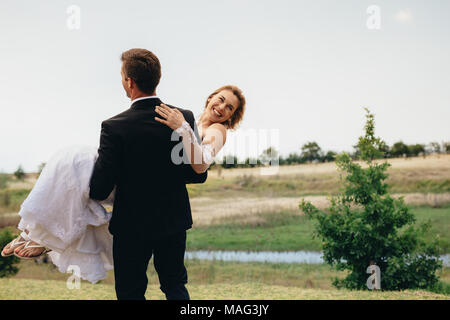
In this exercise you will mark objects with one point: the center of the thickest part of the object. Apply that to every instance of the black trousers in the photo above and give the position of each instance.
(132, 255)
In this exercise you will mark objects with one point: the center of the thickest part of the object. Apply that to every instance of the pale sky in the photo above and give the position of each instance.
(307, 69)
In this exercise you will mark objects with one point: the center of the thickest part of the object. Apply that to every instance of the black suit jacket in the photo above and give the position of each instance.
(135, 156)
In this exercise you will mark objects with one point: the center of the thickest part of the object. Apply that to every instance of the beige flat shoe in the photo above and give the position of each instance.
(27, 245)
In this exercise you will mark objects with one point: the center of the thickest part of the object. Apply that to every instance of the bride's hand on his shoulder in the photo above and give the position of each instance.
(172, 117)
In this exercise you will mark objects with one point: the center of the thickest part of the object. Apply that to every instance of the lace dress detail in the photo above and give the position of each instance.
(59, 214)
(206, 150)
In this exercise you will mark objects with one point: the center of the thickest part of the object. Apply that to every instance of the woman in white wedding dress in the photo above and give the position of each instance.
(58, 216)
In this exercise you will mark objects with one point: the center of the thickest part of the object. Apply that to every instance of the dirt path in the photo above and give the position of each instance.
(207, 211)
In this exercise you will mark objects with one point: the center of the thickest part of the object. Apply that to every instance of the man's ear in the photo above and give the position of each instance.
(130, 83)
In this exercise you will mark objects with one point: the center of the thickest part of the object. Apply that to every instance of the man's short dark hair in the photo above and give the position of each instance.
(143, 67)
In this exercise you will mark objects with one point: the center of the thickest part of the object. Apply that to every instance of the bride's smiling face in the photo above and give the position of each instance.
(221, 106)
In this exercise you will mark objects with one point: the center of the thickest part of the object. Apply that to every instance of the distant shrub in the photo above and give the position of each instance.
(19, 173)
(329, 156)
(229, 162)
(7, 265)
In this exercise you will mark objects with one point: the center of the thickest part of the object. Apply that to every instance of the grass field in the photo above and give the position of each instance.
(238, 209)
(413, 175)
(290, 231)
(424, 175)
(22, 289)
(208, 280)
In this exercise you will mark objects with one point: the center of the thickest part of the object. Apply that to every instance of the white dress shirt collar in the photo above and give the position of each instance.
(142, 98)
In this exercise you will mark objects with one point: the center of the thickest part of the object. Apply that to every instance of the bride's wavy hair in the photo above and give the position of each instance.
(238, 114)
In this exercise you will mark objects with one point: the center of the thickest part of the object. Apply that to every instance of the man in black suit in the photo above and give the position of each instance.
(151, 208)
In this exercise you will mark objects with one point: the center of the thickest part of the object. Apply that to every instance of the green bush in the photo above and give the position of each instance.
(364, 224)
(7, 265)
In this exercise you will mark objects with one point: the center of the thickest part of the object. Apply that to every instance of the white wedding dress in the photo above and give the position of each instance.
(59, 214)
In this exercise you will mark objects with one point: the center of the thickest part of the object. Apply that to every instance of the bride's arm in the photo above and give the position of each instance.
(200, 155)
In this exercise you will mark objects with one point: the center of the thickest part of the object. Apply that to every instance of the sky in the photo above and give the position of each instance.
(306, 68)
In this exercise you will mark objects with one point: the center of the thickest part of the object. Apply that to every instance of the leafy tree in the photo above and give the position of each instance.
(293, 158)
(384, 149)
(251, 162)
(446, 147)
(399, 149)
(329, 156)
(416, 149)
(269, 156)
(19, 174)
(229, 162)
(311, 151)
(364, 224)
(435, 147)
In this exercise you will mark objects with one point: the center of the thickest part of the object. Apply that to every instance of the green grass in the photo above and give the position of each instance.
(290, 231)
(283, 231)
(208, 272)
(209, 280)
(440, 224)
(22, 289)
(300, 275)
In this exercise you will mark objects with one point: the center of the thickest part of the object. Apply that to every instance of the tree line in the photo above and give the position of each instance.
(311, 152)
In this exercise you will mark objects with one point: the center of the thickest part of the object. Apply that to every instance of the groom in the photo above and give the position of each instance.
(151, 209)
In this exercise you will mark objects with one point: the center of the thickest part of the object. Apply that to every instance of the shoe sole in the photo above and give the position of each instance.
(30, 258)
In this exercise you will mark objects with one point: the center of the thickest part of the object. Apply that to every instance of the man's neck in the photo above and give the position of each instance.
(141, 95)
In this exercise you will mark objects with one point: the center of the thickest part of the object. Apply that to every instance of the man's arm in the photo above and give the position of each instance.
(104, 175)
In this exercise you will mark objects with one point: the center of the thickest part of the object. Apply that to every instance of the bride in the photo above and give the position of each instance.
(58, 216)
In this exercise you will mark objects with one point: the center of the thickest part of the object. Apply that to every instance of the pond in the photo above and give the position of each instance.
(309, 257)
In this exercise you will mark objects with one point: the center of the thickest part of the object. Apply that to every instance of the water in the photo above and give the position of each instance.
(309, 257)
